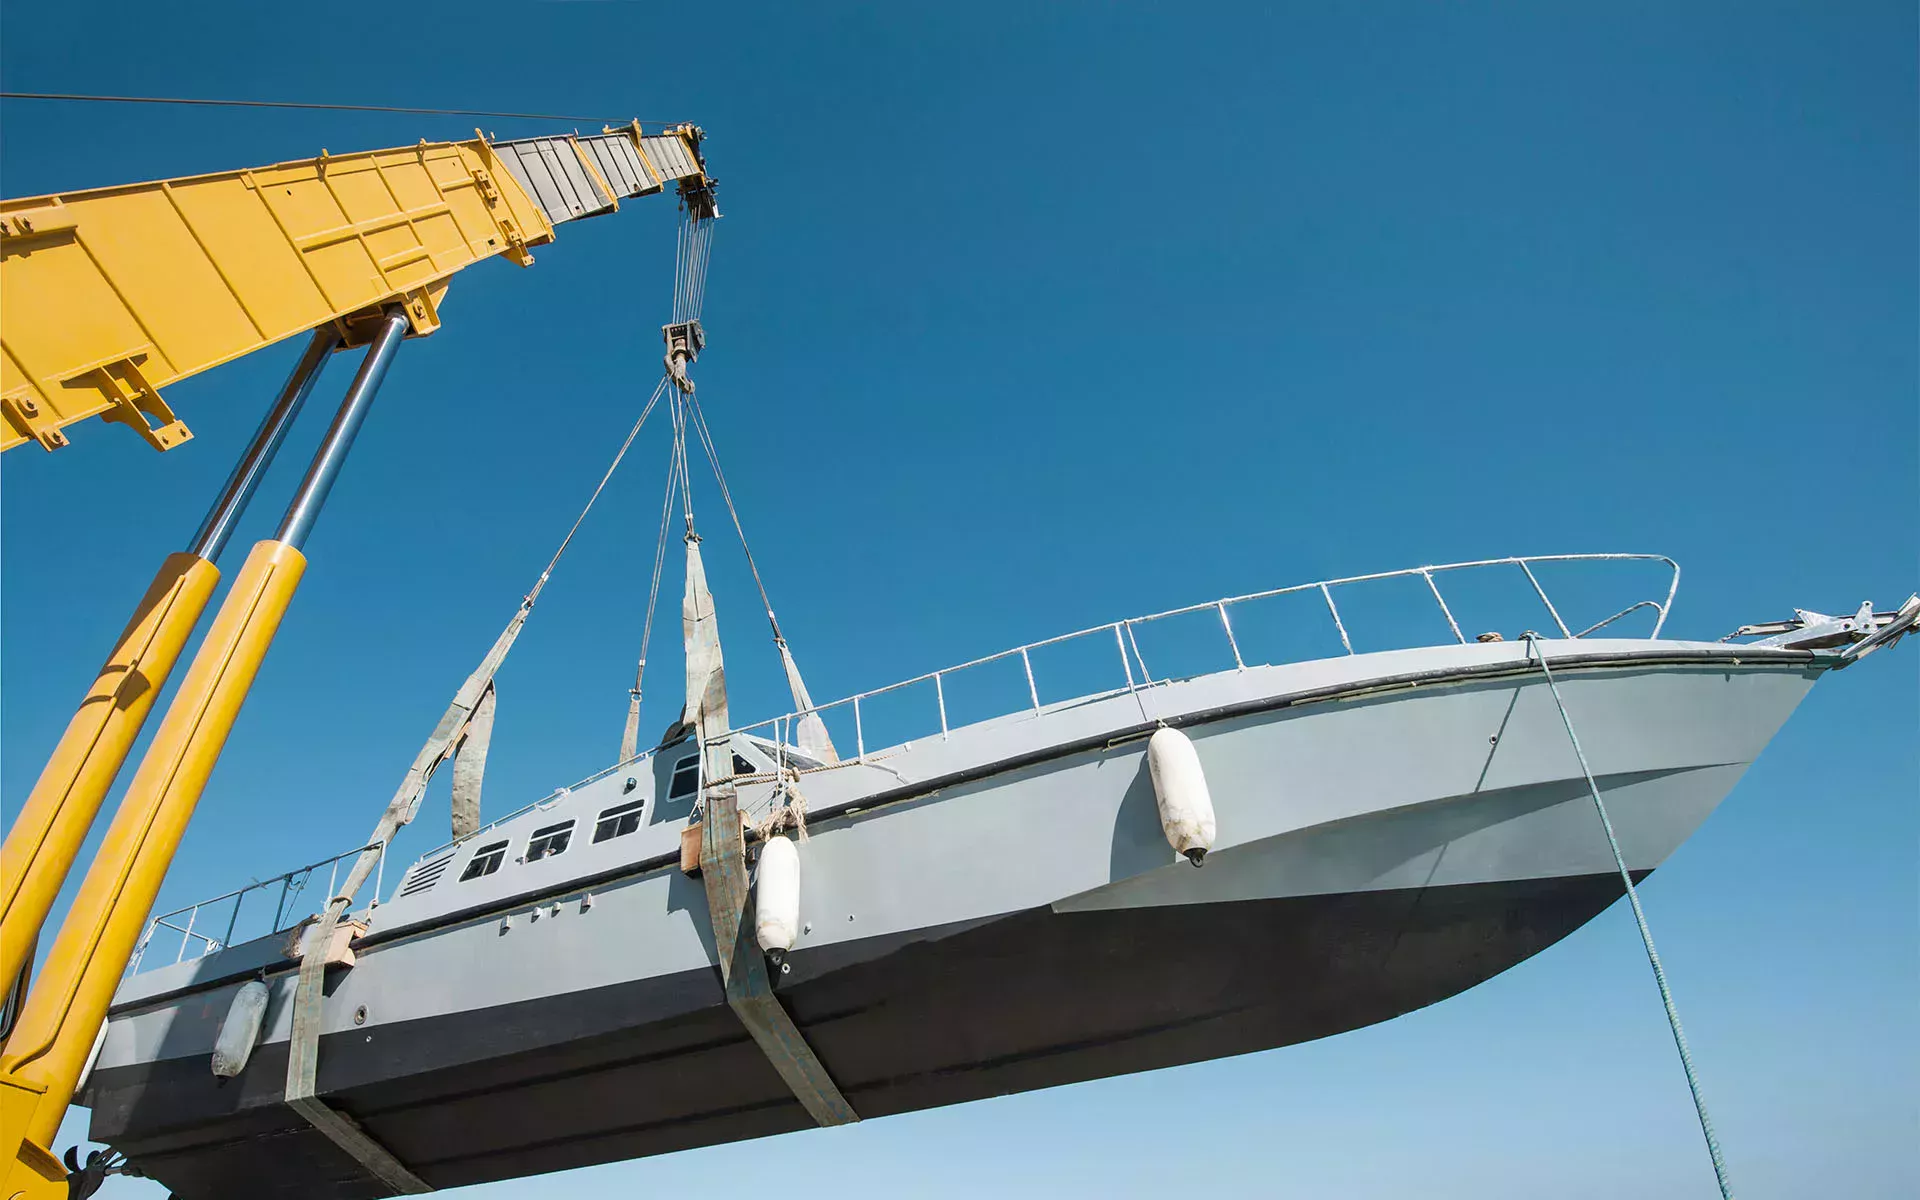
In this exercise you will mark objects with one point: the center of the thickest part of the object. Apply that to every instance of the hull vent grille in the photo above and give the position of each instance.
(425, 876)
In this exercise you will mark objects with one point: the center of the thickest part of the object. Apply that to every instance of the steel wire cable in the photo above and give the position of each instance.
(81, 97)
(726, 496)
(659, 568)
(646, 412)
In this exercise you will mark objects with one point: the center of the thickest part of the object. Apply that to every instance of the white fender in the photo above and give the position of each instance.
(776, 896)
(1186, 808)
(240, 1030)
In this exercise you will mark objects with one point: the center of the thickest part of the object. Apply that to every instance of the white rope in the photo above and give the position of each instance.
(781, 817)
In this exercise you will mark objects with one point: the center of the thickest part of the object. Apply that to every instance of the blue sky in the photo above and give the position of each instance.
(1024, 318)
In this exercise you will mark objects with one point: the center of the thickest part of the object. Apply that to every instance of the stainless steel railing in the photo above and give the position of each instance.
(1134, 675)
(1128, 645)
(291, 885)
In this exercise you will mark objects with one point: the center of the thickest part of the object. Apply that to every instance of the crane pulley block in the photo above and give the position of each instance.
(685, 340)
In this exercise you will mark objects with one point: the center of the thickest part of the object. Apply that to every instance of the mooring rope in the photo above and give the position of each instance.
(1646, 933)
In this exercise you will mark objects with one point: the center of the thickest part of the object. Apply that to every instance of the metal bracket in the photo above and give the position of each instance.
(696, 192)
(1856, 636)
(696, 196)
(25, 413)
(140, 408)
(510, 231)
(654, 182)
(17, 227)
(422, 306)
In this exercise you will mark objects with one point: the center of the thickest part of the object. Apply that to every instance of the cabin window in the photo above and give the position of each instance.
(618, 821)
(686, 777)
(550, 841)
(485, 861)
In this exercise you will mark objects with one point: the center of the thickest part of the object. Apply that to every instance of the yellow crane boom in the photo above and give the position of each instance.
(111, 294)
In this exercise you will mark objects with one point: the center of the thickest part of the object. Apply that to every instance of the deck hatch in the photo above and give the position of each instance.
(425, 876)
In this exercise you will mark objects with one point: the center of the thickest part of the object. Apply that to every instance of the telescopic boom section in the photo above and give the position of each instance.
(113, 294)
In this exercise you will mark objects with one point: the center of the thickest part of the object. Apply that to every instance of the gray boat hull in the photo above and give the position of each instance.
(1393, 832)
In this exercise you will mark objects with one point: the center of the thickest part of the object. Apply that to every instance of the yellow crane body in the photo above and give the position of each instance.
(181, 275)
(42, 1062)
(46, 836)
(110, 295)
(54, 821)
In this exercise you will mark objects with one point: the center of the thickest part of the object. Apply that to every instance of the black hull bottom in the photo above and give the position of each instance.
(1028, 1001)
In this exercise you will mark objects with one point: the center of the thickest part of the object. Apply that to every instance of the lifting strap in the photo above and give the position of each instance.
(470, 766)
(303, 1061)
(465, 730)
(723, 867)
(455, 728)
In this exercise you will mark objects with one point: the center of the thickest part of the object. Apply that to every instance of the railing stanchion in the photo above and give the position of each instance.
(1666, 606)
(1599, 625)
(140, 951)
(940, 695)
(1551, 610)
(1146, 676)
(239, 898)
(859, 734)
(1033, 693)
(187, 933)
(1227, 625)
(1327, 595)
(1125, 664)
(1445, 611)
